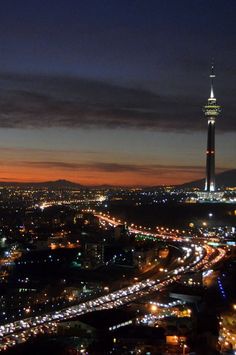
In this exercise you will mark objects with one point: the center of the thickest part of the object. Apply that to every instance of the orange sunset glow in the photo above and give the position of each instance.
(90, 176)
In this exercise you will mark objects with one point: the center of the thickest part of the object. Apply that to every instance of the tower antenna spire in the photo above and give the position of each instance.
(212, 76)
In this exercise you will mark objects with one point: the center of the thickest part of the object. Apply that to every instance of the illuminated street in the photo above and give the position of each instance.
(202, 258)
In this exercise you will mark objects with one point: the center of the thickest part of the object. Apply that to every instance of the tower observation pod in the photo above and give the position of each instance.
(211, 111)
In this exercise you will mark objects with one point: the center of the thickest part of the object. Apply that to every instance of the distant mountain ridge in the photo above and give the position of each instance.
(225, 179)
(57, 184)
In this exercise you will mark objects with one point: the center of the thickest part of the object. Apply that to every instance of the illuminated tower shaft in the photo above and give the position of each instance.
(210, 157)
(211, 111)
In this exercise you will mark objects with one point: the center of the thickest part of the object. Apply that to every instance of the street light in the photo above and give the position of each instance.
(184, 348)
(153, 308)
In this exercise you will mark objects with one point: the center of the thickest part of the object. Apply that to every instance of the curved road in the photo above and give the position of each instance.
(196, 258)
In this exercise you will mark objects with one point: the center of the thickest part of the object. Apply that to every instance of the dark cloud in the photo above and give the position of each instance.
(41, 101)
(5, 179)
(116, 167)
(25, 150)
(98, 166)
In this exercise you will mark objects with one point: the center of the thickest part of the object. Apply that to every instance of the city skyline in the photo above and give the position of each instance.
(112, 94)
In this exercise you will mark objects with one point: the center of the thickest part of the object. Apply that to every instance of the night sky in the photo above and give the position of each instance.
(111, 92)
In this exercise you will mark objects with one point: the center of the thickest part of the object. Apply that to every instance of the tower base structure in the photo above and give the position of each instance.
(210, 196)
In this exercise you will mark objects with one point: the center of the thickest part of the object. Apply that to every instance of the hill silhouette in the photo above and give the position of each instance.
(224, 179)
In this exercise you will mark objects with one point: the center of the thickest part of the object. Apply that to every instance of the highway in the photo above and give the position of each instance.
(195, 258)
(162, 234)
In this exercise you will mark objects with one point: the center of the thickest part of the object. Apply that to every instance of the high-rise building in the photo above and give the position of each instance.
(211, 111)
